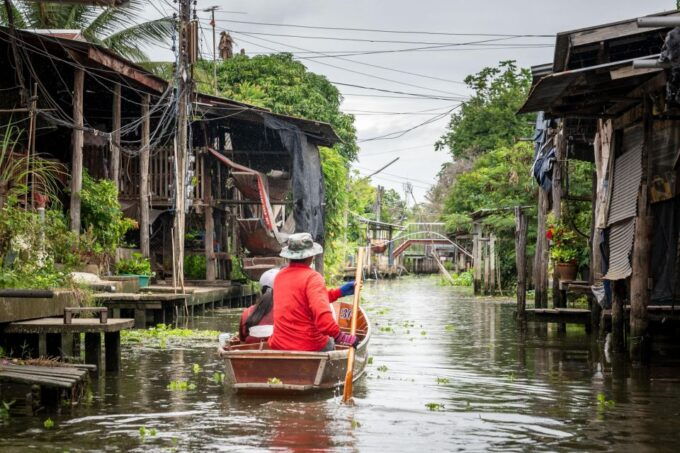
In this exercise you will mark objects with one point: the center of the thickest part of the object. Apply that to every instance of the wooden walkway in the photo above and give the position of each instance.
(50, 376)
(559, 315)
(55, 338)
(160, 304)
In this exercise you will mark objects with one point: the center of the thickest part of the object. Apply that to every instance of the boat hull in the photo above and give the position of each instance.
(251, 369)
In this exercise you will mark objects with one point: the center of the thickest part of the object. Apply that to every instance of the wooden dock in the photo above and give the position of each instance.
(161, 305)
(56, 339)
(559, 315)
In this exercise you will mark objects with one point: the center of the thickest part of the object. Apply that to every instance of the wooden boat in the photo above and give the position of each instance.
(254, 368)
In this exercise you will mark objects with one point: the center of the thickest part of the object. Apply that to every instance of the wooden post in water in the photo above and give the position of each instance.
(210, 265)
(641, 259)
(541, 256)
(144, 198)
(560, 145)
(618, 294)
(487, 262)
(77, 148)
(115, 139)
(521, 263)
(476, 257)
(492, 263)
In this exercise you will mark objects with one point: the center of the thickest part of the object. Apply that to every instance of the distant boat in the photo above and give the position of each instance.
(255, 368)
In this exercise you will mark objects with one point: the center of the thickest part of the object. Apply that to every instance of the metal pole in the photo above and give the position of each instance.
(658, 22)
(211, 10)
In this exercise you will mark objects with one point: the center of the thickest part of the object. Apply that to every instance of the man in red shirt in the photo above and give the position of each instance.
(303, 318)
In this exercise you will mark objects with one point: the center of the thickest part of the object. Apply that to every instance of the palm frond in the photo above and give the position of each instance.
(19, 20)
(140, 36)
(111, 20)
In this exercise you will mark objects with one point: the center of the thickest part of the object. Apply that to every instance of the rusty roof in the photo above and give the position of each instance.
(97, 58)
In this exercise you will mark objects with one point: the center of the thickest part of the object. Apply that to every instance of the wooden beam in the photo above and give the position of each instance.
(560, 152)
(210, 261)
(124, 68)
(77, 148)
(521, 262)
(144, 198)
(541, 256)
(115, 127)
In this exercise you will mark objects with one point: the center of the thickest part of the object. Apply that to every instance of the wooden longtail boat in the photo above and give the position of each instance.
(254, 368)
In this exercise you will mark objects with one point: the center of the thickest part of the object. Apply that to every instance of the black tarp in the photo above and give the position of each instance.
(306, 178)
(664, 251)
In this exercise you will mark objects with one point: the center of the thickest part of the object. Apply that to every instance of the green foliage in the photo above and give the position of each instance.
(48, 424)
(4, 409)
(181, 386)
(102, 218)
(194, 267)
(441, 380)
(285, 86)
(488, 120)
(163, 335)
(463, 279)
(336, 195)
(566, 245)
(274, 381)
(115, 28)
(434, 407)
(135, 265)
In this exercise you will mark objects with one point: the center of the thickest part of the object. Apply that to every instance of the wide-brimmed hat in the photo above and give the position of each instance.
(301, 246)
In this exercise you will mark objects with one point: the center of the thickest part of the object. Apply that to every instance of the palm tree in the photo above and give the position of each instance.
(116, 28)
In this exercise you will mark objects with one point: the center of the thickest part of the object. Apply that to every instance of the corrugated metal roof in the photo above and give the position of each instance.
(620, 247)
(627, 174)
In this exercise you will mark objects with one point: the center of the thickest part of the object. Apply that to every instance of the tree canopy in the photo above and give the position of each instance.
(489, 119)
(117, 28)
(285, 86)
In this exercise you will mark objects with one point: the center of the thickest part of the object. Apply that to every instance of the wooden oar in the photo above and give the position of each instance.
(347, 394)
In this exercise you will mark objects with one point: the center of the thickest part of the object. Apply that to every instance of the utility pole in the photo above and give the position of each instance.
(183, 81)
(211, 10)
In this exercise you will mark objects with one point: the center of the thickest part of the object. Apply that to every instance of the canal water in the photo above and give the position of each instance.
(449, 372)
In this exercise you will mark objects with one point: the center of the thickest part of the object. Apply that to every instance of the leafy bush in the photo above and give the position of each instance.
(463, 279)
(102, 218)
(194, 267)
(566, 245)
(136, 265)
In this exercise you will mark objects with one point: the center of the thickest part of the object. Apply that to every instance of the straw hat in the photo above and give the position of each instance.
(301, 246)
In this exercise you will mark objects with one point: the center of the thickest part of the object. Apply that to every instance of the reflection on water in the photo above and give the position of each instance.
(487, 388)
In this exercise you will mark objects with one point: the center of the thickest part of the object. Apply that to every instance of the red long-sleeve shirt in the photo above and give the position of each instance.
(302, 312)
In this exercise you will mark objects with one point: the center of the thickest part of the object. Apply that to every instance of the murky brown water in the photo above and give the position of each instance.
(438, 346)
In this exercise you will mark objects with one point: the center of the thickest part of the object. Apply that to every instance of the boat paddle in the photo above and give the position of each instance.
(347, 393)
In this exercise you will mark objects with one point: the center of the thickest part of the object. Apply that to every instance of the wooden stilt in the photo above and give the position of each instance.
(210, 265)
(639, 289)
(112, 351)
(541, 256)
(77, 148)
(115, 145)
(93, 348)
(477, 258)
(618, 295)
(521, 263)
(492, 263)
(144, 197)
(560, 145)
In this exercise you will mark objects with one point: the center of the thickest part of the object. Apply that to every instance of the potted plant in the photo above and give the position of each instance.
(566, 248)
(137, 266)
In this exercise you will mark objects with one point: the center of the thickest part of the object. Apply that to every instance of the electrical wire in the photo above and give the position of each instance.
(375, 30)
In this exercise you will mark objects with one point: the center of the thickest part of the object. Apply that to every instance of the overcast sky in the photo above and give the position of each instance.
(378, 115)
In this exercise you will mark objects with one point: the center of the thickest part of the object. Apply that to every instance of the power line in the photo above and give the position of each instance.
(387, 41)
(383, 90)
(401, 133)
(350, 70)
(375, 30)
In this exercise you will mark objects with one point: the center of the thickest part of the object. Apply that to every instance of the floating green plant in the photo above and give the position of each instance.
(218, 377)
(144, 431)
(449, 327)
(196, 368)
(442, 380)
(274, 381)
(603, 403)
(162, 335)
(355, 424)
(4, 409)
(382, 368)
(182, 386)
(422, 332)
(48, 424)
(434, 407)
